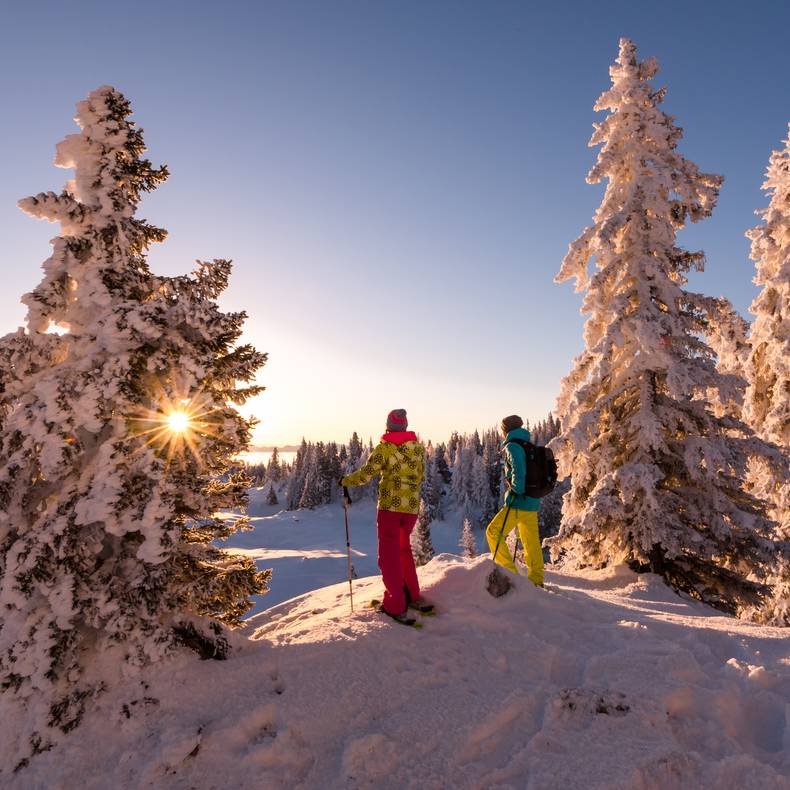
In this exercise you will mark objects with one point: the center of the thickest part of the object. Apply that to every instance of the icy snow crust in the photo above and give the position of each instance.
(606, 680)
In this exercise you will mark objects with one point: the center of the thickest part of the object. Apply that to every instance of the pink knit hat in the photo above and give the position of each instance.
(396, 420)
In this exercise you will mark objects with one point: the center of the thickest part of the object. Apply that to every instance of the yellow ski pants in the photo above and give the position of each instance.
(527, 523)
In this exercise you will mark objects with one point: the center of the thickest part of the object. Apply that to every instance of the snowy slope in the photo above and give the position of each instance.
(306, 549)
(607, 681)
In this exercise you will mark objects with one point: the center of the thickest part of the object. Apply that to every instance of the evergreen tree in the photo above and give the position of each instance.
(463, 482)
(326, 485)
(273, 468)
(467, 542)
(428, 491)
(354, 449)
(440, 461)
(434, 495)
(452, 448)
(296, 477)
(116, 440)
(657, 478)
(492, 461)
(421, 544)
(311, 490)
(333, 471)
(257, 474)
(767, 369)
(271, 499)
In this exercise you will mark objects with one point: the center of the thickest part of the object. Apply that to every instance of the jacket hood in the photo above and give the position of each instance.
(399, 437)
(518, 433)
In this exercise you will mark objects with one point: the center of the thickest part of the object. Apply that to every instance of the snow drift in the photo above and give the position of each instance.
(604, 680)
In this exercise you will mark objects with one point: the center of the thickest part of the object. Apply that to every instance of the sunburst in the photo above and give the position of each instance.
(176, 426)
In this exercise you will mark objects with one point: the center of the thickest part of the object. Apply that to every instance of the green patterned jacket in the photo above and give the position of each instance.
(400, 460)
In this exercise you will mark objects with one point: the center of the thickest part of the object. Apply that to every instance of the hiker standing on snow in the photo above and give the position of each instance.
(520, 510)
(400, 460)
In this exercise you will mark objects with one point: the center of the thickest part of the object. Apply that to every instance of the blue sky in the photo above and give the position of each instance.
(397, 183)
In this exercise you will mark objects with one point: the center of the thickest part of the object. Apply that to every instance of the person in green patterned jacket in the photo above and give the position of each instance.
(400, 460)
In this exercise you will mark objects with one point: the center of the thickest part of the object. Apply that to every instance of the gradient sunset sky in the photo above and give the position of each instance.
(396, 183)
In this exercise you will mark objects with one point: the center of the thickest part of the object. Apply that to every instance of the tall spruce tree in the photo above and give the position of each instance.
(657, 477)
(116, 439)
(767, 404)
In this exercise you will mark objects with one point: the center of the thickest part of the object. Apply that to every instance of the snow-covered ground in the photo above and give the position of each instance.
(606, 680)
(306, 549)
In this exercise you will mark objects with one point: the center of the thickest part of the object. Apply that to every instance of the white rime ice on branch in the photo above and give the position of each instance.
(768, 365)
(657, 476)
(106, 516)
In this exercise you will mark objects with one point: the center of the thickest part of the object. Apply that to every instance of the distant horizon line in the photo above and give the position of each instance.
(292, 448)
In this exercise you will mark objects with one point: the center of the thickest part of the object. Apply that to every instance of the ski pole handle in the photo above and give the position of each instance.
(346, 496)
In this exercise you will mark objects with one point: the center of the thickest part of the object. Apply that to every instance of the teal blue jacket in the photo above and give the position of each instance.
(516, 472)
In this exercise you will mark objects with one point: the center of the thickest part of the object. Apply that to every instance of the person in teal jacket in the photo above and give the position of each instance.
(520, 511)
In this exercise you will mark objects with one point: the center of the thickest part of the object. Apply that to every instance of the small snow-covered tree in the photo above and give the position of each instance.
(421, 543)
(657, 477)
(271, 498)
(274, 468)
(467, 542)
(354, 449)
(117, 435)
(767, 404)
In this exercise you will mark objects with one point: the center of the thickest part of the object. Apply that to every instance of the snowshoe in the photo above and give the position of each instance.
(422, 606)
(403, 619)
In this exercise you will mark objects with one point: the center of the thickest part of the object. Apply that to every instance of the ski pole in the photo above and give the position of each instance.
(346, 503)
(501, 533)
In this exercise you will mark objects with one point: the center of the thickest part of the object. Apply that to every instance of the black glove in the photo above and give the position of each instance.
(340, 482)
(346, 497)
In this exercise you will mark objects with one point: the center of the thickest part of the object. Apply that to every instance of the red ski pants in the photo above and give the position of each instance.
(396, 560)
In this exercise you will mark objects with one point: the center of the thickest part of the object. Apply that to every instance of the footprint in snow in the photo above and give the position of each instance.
(578, 707)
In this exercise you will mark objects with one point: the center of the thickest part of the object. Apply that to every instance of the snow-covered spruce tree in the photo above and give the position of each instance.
(274, 468)
(467, 542)
(421, 543)
(311, 490)
(440, 459)
(116, 440)
(296, 477)
(657, 477)
(767, 403)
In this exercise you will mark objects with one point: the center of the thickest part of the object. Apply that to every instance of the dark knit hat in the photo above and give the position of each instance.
(509, 424)
(396, 420)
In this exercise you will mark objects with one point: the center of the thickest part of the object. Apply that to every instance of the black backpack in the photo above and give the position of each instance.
(541, 476)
